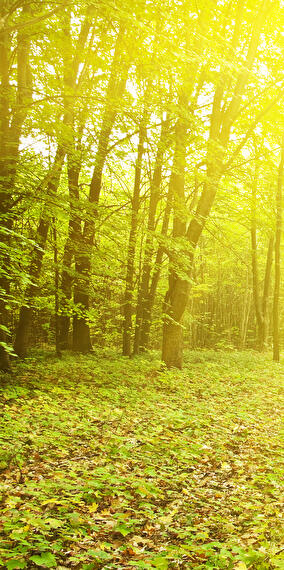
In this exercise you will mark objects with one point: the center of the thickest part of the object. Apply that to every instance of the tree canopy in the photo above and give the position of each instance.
(141, 175)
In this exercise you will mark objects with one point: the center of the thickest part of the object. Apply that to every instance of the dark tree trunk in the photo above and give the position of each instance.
(173, 305)
(266, 287)
(51, 183)
(22, 339)
(258, 312)
(260, 305)
(81, 330)
(150, 298)
(83, 257)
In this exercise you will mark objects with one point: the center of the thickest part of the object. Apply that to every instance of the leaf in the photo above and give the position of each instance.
(123, 529)
(160, 562)
(54, 523)
(93, 507)
(46, 559)
(14, 563)
(240, 566)
(99, 554)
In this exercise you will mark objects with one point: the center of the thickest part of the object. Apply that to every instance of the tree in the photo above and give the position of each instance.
(278, 231)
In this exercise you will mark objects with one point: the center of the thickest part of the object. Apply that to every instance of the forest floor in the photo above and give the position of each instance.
(108, 462)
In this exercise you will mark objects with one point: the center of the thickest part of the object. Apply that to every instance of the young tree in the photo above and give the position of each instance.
(278, 231)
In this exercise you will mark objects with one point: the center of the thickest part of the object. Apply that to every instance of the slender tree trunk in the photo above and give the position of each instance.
(128, 296)
(83, 255)
(220, 129)
(56, 289)
(51, 182)
(22, 339)
(255, 283)
(266, 287)
(260, 305)
(74, 232)
(278, 231)
(246, 304)
(172, 328)
(150, 298)
(146, 269)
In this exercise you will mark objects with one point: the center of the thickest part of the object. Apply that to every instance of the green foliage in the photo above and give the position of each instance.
(109, 462)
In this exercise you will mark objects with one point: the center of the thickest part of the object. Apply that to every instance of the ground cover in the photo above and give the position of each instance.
(108, 462)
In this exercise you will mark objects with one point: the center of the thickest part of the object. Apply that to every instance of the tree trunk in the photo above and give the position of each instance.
(146, 269)
(278, 231)
(150, 298)
(266, 286)
(74, 232)
(71, 66)
(83, 257)
(128, 296)
(220, 129)
(10, 132)
(56, 289)
(255, 284)
(22, 339)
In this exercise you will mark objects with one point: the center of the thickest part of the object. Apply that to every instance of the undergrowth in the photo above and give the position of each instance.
(109, 463)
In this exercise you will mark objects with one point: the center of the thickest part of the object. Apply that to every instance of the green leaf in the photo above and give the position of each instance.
(99, 554)
(54, 523)
(160, 562)
(14, 563)
(46, 559)
(123, 529)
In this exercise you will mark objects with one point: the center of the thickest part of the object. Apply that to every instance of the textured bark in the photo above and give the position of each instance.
(174, 300)
(173, 344)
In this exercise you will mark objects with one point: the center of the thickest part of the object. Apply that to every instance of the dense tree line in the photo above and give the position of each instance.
(141, 175)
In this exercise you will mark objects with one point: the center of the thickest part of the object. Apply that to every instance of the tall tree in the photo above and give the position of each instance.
(225, 111)
(115, 89)
(278, 231)
(14, 106)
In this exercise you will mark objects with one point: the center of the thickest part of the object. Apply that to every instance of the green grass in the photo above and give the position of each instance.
(108, 462)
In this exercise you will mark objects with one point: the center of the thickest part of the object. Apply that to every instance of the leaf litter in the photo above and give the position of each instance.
(108, 462)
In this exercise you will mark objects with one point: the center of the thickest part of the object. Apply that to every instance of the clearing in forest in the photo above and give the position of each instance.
(109, 463)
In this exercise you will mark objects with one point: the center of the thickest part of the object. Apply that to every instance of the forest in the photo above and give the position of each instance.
(141, 300)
